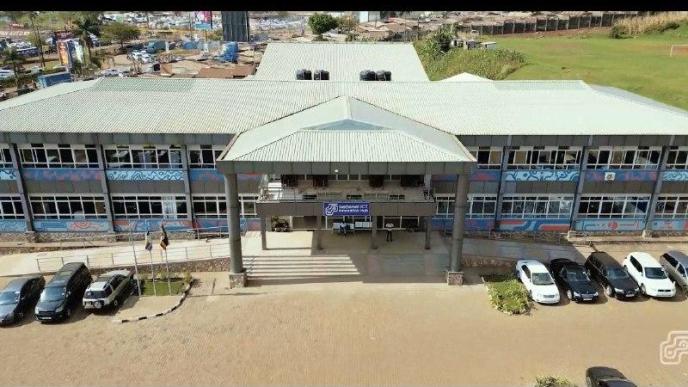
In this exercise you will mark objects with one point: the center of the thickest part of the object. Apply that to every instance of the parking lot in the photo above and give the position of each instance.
(379, 331)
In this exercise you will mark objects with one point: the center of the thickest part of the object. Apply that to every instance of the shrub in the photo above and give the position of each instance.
(639, 25)
(187, 277)
(491, 64)
(552, 381)
(619, 31)
(507, 294)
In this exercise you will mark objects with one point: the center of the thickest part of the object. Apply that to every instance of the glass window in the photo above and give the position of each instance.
(143, 156)
(672, 206)
(528, 157)
(613, 206)
(204, 156)
(10, 207)
(540, 206)
(144, 206)
(488, 157)
(68, 207)
(58, 156)
(215, 206)
(623, 157)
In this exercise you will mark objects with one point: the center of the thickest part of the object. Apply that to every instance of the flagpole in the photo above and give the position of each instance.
(149, 247)
(164, 241)
(169, 286)
(136, 265)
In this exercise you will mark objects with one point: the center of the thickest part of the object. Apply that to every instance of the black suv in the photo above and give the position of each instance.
(609, 273)
(571, 276)
(63, 292)
(18, 297)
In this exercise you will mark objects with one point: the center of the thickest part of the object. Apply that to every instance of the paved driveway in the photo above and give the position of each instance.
(388, 332)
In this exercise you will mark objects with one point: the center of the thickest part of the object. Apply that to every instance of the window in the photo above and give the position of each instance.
(672, 261)
(488, 157)
(526, 271)
(68, 207)
(677, 157)
(613, 206)
(479, 206)
(681, 270)
(204, 156)
(11, 207)
(536, 206)
(5, 156)
(396, 197)
(144, 206)
(214, 206)
(641, 157)
(58, 156)
(671, 206)
(342, 177)
(542, 157)
(143, 156)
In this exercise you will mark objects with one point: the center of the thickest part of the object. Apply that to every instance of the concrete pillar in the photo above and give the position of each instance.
(460, 205)
(263, 233)
(373, 232)
(318, 232)
(105, 187)
(237, 274)
(647, 232)
(20, 188)
(187, 183)
(428, 230)
(501, 184)
(579, 187)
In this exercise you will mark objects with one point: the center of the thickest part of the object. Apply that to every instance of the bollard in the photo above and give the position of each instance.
(62, 260)
(88, 264)
(38, 264)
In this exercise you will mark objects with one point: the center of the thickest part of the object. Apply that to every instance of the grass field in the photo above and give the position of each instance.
(641, 65)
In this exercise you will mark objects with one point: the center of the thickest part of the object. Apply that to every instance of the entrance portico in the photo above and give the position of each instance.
(304, 156)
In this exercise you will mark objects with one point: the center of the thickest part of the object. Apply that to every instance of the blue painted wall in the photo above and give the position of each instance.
(542, 175)
(8, 174)
(12, 225)
(146, 174)
(61, 174)
(593, 225)
(69, 225)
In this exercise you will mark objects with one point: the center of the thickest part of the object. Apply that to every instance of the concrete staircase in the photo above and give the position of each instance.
(276, 268)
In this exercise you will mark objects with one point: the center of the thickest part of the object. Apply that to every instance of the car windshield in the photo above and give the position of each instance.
(576, 275)
(617, 273)
(542, 279)
(53, 294)
(91, 294)
(655, 273)
(9, 298)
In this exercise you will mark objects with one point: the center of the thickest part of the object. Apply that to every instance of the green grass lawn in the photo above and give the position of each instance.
(161, 287)
(641, 65)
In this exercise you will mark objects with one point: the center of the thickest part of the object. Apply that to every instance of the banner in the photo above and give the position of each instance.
(346, 208)
(203, 20)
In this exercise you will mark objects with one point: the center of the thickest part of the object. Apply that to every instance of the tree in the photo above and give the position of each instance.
(83, 29)
(346, 23)
(321, 23)
(13, 58)
(36, 38)
(121, 32)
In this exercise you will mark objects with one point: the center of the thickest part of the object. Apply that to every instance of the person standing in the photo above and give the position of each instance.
(388, 228)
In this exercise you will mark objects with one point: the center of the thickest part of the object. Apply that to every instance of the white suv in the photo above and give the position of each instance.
(649, 274)
(538, 281)
(109, 289)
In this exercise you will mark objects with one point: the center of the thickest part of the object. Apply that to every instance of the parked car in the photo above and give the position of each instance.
(649, 274)
(609, 273)
(675, 263)
(18, 297)
(606, 377)
(538, 281)
(63, 292)
(6, 74)
(572, 277)
(109, 290)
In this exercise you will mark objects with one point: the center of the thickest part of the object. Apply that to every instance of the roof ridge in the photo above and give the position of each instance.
(420, 140)
(654, 104)
(9, 102)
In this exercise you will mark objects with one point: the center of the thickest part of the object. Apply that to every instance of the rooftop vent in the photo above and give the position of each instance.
(321, 75)
(304, 75)
(367, 75)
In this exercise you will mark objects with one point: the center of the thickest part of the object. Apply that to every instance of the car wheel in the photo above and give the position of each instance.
(609, 290)
(588, 381)
(569, 295)
(115, 303)
(642, 290)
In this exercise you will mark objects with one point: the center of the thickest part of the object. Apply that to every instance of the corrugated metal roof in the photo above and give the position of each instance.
(344, 61)
(465, 77)
(346, 130)
(136, 105)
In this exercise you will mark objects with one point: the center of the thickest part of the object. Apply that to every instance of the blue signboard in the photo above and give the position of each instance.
(346, 208)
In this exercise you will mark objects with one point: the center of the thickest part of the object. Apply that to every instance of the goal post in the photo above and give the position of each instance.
(678, 49)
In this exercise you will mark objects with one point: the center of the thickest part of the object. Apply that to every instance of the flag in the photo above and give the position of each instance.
(149, 245)
(164, 241)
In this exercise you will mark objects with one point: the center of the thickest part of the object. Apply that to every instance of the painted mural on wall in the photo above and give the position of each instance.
(675, 176)
(214, 224)
(620, 175)
(146, 174)
(143, 225)
(610, 225)
(543, 225)
(205, 174)
(61, 174)
(248, 176)
(443, 177)
(670, 225)
(12, 225)
(8, 174)
(443, 223)
(542, 175)
(70, 225)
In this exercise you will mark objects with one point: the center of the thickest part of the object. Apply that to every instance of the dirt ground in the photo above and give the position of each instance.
(365, 333)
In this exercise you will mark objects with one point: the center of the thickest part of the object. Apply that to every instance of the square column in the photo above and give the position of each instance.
(237, 273)
(428, 229)
(454, 274)
(373, 232)
(263, 233)
(318, 233)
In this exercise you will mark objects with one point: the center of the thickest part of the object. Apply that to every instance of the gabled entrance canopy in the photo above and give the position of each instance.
(345, 136)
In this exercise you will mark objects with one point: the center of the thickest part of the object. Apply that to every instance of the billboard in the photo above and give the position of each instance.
(346, 208)
(64, 54)
(203, 20)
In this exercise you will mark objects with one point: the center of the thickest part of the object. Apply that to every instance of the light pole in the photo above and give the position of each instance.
(133, 249)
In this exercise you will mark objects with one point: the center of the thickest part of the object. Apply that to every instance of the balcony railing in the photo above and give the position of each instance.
(343, 190)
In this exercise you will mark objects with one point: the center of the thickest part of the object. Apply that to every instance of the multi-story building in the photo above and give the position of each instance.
(114, 155)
